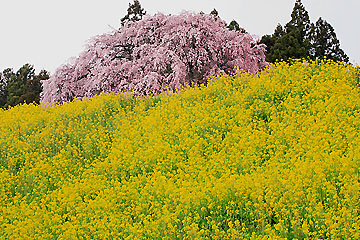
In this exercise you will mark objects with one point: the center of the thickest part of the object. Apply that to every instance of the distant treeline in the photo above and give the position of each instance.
(22, 86)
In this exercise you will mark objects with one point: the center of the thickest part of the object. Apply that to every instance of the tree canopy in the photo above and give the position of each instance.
(24, 86)
(134, 13)
(300, 38)
(233, 25)
(325, 42)
(156, 54)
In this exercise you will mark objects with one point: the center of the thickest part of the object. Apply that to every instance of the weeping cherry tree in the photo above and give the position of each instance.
(156, 54)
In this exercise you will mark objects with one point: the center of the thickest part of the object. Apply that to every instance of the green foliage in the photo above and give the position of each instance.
(33, 88)
(292, 41)
(16, 87)
(325, 43)
(302, 39)
(233, 25)
(24, 86)
(272, 52)
(134, 13)
(214, 12)
(236, 27)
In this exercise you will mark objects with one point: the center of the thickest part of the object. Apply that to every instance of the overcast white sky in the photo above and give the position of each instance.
(46, 33)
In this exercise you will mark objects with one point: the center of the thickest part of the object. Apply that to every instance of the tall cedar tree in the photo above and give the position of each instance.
(273, 46)
(292, 41)
(325, 42)
(24, 86)
(302, 39)
(134, 13)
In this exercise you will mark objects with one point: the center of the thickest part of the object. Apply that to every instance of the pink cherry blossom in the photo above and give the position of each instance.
(156, 54)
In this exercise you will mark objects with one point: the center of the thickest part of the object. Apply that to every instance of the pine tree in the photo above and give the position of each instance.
(214, 12)
(302, 39)
(300, 20)
(325, 42)
(134, 13)
(16, 87)
(7, 76)
(270, 40)
(297, 39)
(236, 27)
(292, 41)
(33, 88)
(24, 86)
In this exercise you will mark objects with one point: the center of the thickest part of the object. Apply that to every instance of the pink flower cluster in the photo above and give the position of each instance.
(159, 53)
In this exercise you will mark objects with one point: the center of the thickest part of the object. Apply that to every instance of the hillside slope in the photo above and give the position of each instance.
(275, 155)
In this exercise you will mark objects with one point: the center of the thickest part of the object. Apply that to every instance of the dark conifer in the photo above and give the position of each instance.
(325, 42)
(302, 39)
(236, 27)
(134, 13)
(24, 86)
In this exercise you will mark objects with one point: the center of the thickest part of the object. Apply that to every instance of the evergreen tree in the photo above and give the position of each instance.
(33, 88)
(236, 27)
(298, 33)
(292, 41)
(279, 31)
(325, 42)
(16, 87)
(270, 40)
(302, 39)
(24, 86)
(7, 76)
(299, 21)
(214, 12)
(134, 13)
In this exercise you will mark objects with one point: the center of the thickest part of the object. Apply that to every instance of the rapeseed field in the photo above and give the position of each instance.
(271, 156)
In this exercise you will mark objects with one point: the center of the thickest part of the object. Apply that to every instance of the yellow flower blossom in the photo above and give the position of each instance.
(270, 156)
